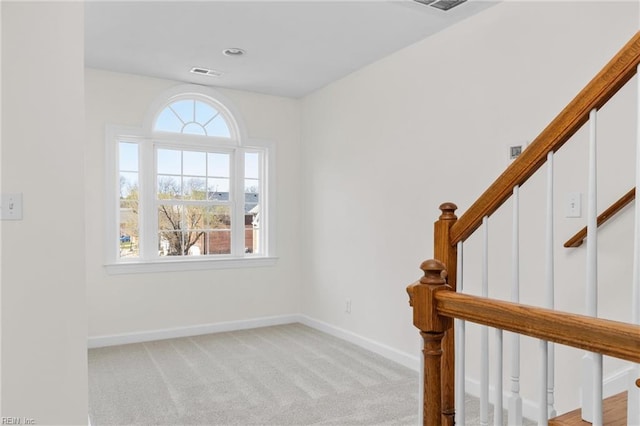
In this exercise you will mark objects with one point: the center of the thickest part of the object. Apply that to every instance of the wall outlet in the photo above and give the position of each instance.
(347, 306)
(11, 207)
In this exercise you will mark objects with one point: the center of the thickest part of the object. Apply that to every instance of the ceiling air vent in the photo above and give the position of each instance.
(205, 71)
(441, 4)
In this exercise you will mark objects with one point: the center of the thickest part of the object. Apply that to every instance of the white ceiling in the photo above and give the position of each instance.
(293, 47)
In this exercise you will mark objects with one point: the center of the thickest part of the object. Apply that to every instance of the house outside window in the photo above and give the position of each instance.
(188, 191)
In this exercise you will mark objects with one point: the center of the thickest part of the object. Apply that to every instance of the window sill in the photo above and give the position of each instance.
(137, 267)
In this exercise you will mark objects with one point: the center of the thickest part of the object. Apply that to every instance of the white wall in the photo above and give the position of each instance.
(44, 315)
(383, 147)
(134, 303)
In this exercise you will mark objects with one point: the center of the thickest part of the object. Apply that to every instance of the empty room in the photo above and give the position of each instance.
(261, 212)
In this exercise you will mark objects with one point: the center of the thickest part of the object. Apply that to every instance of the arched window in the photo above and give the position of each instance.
(194, 117)
(189, 188)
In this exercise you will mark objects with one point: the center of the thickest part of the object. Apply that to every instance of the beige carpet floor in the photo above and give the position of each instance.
(282, 375)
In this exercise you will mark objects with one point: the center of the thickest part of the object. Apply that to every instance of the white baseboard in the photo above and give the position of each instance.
(410, 361)
(402, 358)
(194, 330)
(617, 382)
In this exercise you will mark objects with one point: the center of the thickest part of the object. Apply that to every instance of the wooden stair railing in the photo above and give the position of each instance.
(578, 238)
(449, 230)
(595, 94)
(435, 305)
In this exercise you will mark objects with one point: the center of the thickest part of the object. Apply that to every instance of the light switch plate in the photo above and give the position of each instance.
(574, 205)
(11, 207)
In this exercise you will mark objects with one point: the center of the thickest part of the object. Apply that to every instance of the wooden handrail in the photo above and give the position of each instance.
(578, 238)
(612, 338)
(599, 90)
(435, 304)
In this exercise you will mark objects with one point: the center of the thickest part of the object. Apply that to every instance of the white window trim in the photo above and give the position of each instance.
(189, 264)
(114, 134)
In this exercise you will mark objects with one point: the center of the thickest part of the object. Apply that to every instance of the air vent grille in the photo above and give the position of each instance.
(441, 4)
(205, 71)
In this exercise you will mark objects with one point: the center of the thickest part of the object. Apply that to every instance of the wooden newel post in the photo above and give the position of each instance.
(447, 252)
(432, 329)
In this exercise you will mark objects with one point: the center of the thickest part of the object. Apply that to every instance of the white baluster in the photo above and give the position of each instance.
(597, 390)
(633, 394)
(497, 404)
(550, 285)
(543, 415)
(515, 400)
(592, 363)
(484, 331)
(460, 348)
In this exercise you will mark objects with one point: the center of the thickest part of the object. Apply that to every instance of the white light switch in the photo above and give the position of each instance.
(574, 204)
(11, 207)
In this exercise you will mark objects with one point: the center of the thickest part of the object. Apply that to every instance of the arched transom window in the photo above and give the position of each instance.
(193, 117)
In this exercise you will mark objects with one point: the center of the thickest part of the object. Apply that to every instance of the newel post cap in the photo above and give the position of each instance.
(434, 272)
(448, 211)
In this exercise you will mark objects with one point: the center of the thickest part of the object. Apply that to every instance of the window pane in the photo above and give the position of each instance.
(195, 217)
(170, 243)
(251, 239)
(251, 201)
(194, 163)
(129, 235)
(184, 109)
(169, 162)
(218, 165)
(204, 112)
(252, 165)
(170, 225)
(192, 117)
(251, 186)
(252, 162)
(195, 189)
(167, 121)
(169, 187)
(128, 185)
(218, 217)
(194, 129)
(128, 156)
(218, 127)
(196, 244)
(252, 225)
(170, 217)
(218, 242)
(181, 230)
(218, 186)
